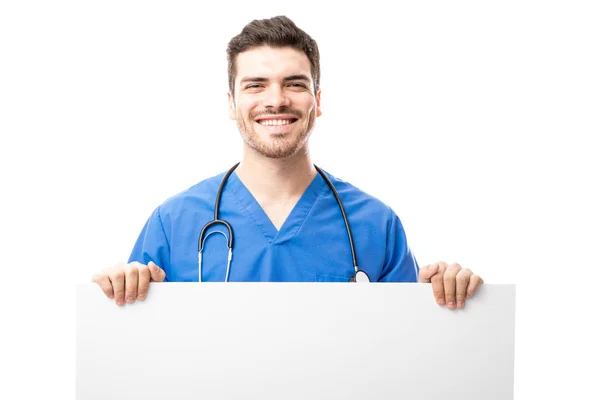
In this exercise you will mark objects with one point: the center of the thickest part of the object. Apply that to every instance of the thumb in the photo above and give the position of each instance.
(156, 273)
(427, 272)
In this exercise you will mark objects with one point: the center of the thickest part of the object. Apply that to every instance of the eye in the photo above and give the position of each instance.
(297, 84)
(253, 86)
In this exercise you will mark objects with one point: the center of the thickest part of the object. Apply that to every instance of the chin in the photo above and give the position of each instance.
(277, 151)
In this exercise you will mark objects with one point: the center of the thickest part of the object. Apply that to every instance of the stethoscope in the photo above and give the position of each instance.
(359, 275)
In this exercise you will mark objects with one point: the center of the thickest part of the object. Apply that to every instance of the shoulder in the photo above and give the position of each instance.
(356, 200)
(201, 194)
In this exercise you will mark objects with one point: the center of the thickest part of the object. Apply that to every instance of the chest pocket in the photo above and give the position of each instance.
(332, 278)
(336, 268)
(330, 259)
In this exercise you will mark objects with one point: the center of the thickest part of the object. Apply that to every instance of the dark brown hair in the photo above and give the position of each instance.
(274, 32)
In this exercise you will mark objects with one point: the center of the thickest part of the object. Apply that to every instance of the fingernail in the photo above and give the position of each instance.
(440, 302)
(141, 297)
(120, 302)
(460, 304)
(130, 299)
(450, 304)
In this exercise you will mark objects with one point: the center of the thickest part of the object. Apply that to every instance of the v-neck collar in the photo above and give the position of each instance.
(249, 205)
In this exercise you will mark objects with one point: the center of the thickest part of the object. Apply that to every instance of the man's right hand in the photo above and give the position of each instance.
(127, 283)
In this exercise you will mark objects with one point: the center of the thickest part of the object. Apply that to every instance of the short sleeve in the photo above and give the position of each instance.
(400, 264)
(152, 244)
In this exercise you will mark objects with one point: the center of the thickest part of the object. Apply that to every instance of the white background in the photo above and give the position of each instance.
(474, 120)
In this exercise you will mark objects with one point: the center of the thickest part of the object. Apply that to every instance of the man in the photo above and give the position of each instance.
(287, 221)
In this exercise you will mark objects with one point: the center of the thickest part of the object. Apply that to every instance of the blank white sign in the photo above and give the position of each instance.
(295, 341)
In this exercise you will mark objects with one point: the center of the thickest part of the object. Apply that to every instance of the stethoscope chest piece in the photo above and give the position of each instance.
(360, 276)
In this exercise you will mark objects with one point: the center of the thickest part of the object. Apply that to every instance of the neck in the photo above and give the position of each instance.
(279, 180)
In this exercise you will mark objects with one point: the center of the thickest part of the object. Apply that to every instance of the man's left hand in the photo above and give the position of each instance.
(451, 284)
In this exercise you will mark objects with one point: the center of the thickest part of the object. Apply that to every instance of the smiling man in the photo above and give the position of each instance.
(291, 221)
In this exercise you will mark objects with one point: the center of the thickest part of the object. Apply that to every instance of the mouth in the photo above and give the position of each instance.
(276, 122)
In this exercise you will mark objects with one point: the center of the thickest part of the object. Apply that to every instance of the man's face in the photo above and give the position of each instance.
(275, 106)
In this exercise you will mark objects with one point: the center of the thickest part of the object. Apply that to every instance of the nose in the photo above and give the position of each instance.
(276, 97)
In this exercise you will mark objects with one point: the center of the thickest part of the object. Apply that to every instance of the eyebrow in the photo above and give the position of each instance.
(300, 77)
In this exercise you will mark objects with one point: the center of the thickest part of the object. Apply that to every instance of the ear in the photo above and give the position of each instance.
(319, 112)
(231, 105)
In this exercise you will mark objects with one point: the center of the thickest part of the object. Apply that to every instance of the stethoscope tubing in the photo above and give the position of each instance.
(216, 221)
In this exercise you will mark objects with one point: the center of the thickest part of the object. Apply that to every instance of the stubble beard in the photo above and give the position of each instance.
(279, 145)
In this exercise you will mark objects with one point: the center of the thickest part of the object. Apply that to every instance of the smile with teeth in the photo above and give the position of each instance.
(276, 122)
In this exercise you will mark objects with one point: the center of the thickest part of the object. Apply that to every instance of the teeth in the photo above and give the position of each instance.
(274, 122)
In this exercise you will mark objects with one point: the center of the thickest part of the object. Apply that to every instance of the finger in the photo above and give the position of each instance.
(450, 284)
(131, 282)
(427, 272)
(462, 281)
(474, 282)
(102, 280)
(156, 273)
(437, 284)
(117, 280)
(143, 281)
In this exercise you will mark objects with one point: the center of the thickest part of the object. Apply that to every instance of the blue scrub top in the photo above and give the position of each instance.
(311, 246)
